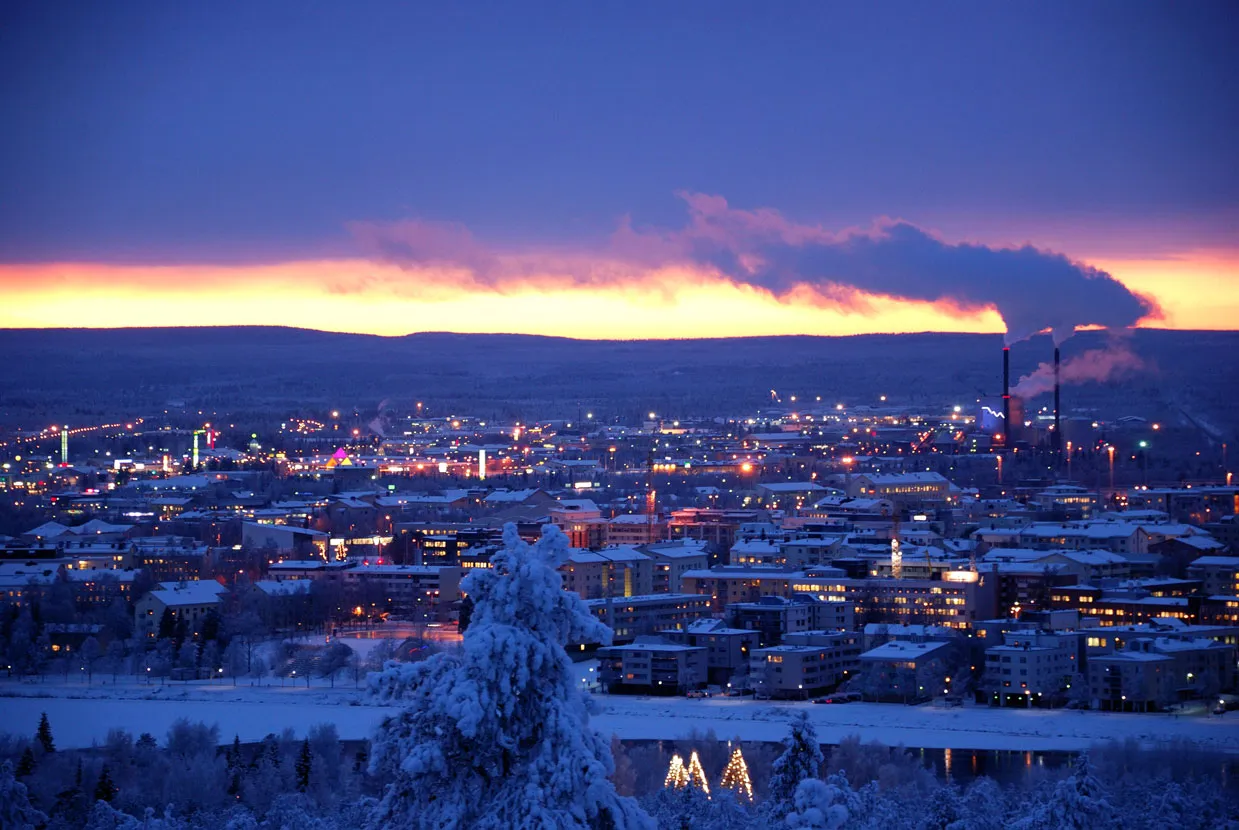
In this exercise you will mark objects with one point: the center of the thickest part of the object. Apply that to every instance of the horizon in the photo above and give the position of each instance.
(534, 335)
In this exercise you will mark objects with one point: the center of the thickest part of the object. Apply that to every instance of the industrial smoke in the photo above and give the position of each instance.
(1115, 362)
(1033, 290)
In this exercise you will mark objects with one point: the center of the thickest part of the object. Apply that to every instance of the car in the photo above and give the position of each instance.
(697, 693)
(833, 699)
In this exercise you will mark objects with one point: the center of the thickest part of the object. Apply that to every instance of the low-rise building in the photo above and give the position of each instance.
(281, 540)
(614, 572)
(421, 593)
(671, 560)
(1133, 680)
(903, 490)
(190, 602)
(652, 668)
(727, 649)
(635, 616)
(774, 617)
(956, 601)
(904, 672)
(1031, 668)
(1218, 574)
(803, 671)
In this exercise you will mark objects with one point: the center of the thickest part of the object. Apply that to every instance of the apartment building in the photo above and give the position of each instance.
(652, 668)
(774, 617)
(611, 572)
(1219, 575)
(1031, 668)
(631, 617)
(671, 560)
(727, 649)
(802, 671)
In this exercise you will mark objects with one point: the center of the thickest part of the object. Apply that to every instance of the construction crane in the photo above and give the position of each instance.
(651, 497)
(896, 550)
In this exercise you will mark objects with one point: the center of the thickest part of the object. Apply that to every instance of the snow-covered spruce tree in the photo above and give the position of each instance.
(16, 811)
(497, 735)
(1078, 802)
(818, 806)
(801, 760)
(945, 810)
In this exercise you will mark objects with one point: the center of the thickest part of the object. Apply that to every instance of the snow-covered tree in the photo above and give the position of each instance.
(15, 808)
(497, 735)
(818, 806)
(1078, 802)
(946, 810)
(801, 760)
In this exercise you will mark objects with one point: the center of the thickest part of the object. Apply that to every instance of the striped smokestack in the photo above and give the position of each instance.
(1006, 396)
(1057, 443)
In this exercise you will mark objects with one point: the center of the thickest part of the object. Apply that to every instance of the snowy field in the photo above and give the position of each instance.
(83, 714)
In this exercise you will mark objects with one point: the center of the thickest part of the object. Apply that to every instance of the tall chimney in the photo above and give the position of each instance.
(1057, 443)
(1006, 396)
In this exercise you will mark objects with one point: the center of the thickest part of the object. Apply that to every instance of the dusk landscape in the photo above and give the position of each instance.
(629, 416)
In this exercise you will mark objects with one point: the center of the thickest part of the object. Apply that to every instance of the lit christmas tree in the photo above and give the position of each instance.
(696, 775)
(736, 777)
(677, 774)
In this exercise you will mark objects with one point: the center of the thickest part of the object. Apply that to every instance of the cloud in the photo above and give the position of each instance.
(1031, 289)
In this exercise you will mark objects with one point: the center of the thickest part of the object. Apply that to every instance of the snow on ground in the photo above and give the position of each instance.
(83, 714)
(925, 726)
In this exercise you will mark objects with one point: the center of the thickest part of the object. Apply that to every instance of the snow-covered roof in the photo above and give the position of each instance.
(510, 496)
(189, 593)
(791, 487)
(1214, 561)
(903, 650)
(755, 546)
(576, 506)
(742, 573)
(288, 587)
(631, 519)
(616, 554)
(48, 530)
(683, 549)
(646, 599)
(401, 499)
(205, 584)
(904, 478)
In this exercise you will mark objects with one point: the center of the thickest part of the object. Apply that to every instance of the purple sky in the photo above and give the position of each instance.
(197, 132)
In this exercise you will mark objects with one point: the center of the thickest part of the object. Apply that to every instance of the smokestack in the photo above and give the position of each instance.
(1006, 396)
(1057, 443)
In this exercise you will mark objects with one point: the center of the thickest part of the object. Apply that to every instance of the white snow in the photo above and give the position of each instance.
(82, 714)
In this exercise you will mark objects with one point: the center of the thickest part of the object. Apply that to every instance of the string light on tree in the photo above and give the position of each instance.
(677, 774)
(697, 775)
(736, 777)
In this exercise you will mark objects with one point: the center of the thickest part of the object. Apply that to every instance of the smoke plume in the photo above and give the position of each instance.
(1031, 289)
(1115, 362)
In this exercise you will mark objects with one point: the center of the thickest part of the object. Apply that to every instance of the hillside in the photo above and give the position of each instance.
(125, 372)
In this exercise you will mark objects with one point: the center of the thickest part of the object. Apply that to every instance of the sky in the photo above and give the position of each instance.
(620, 169)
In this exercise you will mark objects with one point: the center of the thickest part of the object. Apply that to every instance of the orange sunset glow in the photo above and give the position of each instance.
(354, 295)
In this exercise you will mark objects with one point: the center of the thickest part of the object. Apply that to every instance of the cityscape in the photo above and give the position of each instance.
(457, 502)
